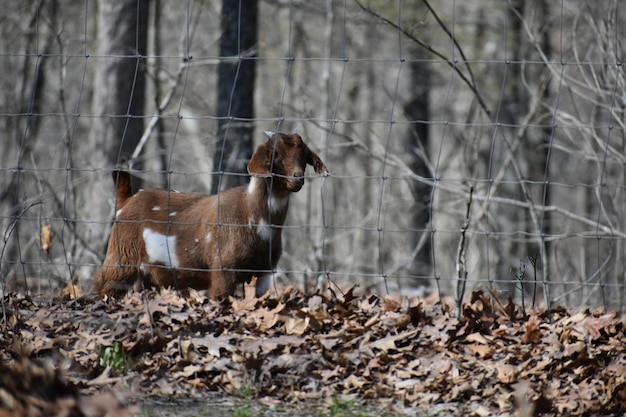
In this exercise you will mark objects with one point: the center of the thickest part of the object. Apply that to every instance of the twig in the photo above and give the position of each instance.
(186, 64)
(533, 262)
(396, 162)
(155, 119)
(461, 255)
(521, 276)
(450, 62)
(453, 39)
(7, 235)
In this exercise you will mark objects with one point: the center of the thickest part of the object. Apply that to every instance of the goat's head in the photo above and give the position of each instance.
(284, 156)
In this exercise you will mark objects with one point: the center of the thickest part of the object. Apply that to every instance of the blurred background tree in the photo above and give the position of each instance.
(235, 93)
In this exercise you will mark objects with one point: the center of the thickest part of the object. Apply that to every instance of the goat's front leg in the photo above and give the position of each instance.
(222, 285)
(263, 284)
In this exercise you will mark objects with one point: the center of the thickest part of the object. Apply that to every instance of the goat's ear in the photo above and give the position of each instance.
(316, 162)
(259, 165)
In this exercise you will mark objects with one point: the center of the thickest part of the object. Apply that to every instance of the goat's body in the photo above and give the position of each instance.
(231, 245)
(170, 239)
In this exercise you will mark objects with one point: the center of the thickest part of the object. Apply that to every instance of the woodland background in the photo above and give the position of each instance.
(471, 143)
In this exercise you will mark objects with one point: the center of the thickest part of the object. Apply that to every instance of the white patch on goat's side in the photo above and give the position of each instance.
(156, 208)
(277, 205)
(208, 237)
(117, 213)
(265, 230)
(161, 248)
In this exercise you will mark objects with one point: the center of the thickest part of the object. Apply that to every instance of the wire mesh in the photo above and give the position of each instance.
(470, 144)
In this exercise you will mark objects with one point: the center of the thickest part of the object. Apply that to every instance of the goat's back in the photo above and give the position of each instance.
(157, 205)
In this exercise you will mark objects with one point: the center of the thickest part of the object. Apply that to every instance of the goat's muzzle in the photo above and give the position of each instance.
(295, 183)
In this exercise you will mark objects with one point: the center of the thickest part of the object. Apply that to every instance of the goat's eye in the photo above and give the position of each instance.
(277, 162)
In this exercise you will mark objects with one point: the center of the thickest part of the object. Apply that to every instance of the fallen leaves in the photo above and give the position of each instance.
(31, 388)
(296, 347)
(532, 334)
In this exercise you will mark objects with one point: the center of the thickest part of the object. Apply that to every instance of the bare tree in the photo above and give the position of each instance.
(26, 92)
(416, 144)
(120, 80)
(118, 104)
(235, 92)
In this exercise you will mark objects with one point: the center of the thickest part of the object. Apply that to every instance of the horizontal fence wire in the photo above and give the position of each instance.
(470, 145)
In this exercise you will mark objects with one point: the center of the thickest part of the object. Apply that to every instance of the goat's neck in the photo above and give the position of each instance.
(267, 200)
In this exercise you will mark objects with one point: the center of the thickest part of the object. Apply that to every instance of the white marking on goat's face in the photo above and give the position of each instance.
(250, 222)
(156, 208)
(277, 205)
(161, 248)
(265, 230)
(208, 237)
(143, 269)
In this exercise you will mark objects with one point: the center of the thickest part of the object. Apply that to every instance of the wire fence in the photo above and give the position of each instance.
(470, 146)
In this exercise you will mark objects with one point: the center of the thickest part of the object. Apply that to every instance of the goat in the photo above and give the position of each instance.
(215, 242)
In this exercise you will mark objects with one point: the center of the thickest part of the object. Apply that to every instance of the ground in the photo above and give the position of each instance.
(166, 353)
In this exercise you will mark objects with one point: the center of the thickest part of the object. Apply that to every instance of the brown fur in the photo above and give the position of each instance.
(212, 242)
(124, 188)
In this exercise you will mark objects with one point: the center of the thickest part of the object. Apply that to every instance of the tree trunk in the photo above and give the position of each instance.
(415, 145)
(120, 79)
(118, 104)
(30, 103)
(235, 93)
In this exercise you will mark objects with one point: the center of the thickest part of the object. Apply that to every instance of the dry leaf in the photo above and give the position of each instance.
(477, 338)
(296, 325)
(532, 332)
(482, 351)
(250, 300)
(71, 290)
(507, 374)
(45, 238)
(593, 325)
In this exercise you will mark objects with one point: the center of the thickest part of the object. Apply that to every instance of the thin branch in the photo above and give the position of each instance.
(453, 39)
(7, 235)
(155, 119)
(452, 63)
(396, 162)
(461, 256)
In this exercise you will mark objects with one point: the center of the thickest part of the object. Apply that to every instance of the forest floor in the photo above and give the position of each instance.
(166, 354)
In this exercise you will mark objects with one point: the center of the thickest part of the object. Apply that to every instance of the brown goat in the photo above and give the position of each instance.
(213, 242)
